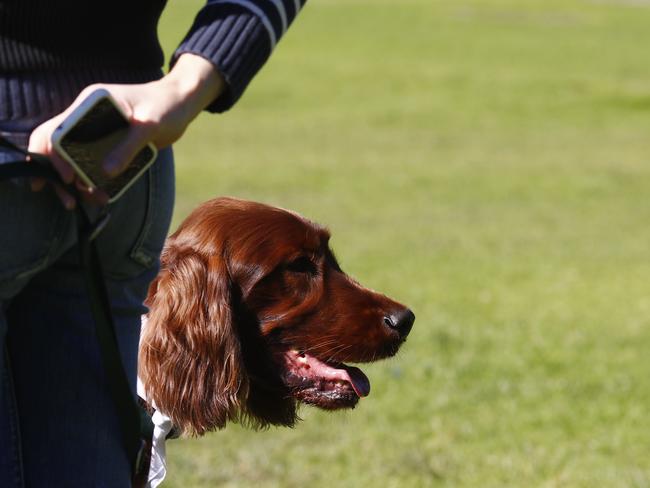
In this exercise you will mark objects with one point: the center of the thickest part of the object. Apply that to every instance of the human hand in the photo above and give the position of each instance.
(158, 112)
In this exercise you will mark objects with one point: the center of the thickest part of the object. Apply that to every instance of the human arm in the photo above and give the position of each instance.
(238, 36)
(159, 112)
(225, 47)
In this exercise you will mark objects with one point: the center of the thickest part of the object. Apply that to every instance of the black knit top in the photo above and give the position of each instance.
(51, 49)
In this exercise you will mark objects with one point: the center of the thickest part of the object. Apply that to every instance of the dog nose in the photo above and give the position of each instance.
(401, 321)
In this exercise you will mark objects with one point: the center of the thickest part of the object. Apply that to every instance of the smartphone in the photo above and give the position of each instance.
(89, 134)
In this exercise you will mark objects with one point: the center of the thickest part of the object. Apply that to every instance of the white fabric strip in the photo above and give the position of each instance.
(257, 11)
(162, 425)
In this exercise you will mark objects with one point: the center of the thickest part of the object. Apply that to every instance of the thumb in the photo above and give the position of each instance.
(120, 157)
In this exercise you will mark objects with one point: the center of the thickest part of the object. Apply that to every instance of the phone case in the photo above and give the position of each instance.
(91, 130)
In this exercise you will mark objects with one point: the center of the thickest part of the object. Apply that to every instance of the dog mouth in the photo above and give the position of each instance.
(328, 385)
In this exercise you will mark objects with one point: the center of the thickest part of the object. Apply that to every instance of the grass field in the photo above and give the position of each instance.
(486, 162)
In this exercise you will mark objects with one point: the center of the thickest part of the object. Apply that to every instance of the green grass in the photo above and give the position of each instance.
(486, 162)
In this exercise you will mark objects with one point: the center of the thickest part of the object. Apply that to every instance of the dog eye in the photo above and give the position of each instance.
(301, 265)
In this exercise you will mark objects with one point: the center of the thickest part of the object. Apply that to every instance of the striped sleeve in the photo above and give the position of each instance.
(238, 36)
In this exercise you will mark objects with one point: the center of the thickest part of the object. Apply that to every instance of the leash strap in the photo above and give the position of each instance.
(135, 423)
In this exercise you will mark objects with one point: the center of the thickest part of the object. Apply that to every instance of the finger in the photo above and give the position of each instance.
(83, 187)
(39, 138)
(120, 157)
(63, 168)
(95, 196)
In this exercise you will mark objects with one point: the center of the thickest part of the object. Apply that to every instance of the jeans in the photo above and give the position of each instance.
(58, 427)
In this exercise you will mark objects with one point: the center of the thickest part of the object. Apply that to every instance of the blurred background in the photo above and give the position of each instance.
(485, 162)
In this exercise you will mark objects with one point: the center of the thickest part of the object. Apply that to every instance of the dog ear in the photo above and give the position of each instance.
(190, 355)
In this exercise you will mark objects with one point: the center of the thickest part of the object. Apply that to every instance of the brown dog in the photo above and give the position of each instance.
(251, 314)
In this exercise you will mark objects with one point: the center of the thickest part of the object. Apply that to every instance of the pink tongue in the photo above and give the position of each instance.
(359, 381)
(311, 367)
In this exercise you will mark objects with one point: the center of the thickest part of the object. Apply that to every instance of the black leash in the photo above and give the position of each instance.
(135, 421)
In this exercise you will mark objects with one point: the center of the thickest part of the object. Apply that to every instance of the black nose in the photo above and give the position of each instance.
(401, 321)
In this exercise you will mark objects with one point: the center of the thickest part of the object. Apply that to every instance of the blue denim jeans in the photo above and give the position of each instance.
(58, 427)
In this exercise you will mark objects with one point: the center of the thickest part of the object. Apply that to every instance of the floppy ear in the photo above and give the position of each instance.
(190, 356)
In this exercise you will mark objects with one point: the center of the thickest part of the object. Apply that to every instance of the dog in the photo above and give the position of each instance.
(251, 315)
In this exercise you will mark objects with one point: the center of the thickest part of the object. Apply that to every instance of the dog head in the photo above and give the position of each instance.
(251, 315)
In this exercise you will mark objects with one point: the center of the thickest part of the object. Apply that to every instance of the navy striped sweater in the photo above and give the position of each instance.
(51, 49)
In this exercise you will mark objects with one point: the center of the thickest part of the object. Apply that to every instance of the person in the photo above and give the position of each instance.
(57, 422)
